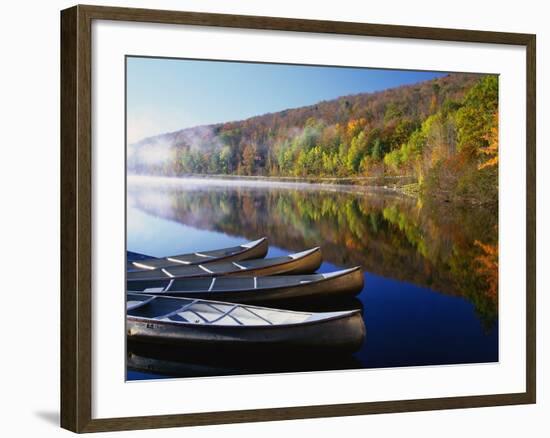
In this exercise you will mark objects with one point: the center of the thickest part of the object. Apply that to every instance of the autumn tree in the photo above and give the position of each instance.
(490, 152)
(248, 158)
(443, 132)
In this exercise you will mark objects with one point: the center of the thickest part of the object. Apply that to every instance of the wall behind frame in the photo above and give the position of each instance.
(29, 231)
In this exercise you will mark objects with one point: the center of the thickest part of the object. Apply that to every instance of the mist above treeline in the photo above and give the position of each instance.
(443, 133)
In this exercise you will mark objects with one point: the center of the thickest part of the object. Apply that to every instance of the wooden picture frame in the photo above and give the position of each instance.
(76, 217)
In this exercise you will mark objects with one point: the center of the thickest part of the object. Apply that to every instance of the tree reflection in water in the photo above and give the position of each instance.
(446, 247)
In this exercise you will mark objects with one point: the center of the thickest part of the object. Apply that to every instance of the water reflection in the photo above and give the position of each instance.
(164, 361)
(448, 249)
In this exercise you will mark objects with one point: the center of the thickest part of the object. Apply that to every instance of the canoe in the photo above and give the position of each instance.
(251, 250)
(249, 290)
(213, 324)
(305, 262)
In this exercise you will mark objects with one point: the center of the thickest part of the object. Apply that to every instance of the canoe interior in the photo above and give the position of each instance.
(211, 313)
(189, 311)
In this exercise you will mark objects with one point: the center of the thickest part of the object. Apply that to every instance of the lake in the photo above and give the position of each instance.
(431, 270)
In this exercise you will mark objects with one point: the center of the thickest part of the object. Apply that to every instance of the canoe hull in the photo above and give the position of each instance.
(342, 286)
(344, 333)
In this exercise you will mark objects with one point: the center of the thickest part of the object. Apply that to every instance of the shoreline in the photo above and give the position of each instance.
(388, 184)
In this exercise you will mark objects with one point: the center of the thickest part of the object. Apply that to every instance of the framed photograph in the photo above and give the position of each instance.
(269, 218)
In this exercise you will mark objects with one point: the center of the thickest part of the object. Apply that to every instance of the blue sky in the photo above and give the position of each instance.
(165, 95)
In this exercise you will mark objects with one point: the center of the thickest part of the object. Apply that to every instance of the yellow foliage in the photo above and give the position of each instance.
(492, 150)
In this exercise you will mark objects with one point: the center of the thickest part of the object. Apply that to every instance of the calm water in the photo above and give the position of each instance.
(431, 273)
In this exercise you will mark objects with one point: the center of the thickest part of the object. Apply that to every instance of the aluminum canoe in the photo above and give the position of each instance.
(305, 262)
(195, 322)
(258, 290)
(250, 250)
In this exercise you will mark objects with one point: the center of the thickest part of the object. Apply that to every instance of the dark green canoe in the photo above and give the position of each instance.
(246, 251)
(195, 322)
(305, 262)
(338, 284)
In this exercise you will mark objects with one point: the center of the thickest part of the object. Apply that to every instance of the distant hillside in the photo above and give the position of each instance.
(418, 130)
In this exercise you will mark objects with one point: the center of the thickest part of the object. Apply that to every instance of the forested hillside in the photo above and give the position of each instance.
(442, 132)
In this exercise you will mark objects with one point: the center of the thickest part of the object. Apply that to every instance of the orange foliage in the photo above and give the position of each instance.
(488, 266)
(433, 104)
(355, 126)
